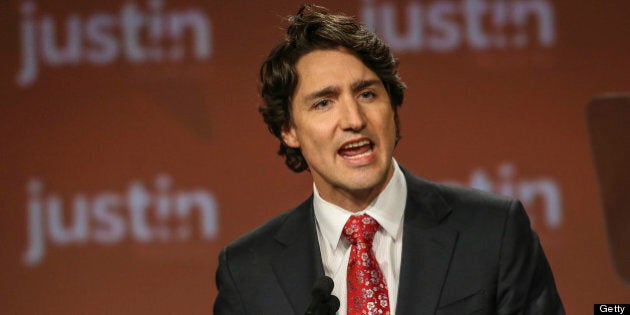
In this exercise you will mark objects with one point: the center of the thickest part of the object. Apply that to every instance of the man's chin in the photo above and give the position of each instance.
(367, 180)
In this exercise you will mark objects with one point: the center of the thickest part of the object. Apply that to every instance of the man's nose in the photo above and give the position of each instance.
(352, 115)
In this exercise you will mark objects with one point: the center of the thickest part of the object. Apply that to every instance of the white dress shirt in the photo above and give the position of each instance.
(387, 209)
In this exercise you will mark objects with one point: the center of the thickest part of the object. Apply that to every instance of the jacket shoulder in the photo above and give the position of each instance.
(461, 207)
(456, 195)
(264, 235)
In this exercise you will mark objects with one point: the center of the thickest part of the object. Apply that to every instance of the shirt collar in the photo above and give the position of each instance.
(387, 209)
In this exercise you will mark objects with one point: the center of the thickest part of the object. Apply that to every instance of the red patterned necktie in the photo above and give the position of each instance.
(367, 291)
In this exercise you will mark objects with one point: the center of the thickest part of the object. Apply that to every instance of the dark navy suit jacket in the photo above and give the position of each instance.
(464, 252)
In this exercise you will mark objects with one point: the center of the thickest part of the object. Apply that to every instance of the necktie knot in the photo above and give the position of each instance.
(360, 229)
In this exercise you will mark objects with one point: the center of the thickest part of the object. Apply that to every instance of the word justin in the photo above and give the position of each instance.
(136, 34)
(109, 217)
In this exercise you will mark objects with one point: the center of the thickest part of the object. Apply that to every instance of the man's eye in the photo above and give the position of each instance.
(367, 94)
(321, 104)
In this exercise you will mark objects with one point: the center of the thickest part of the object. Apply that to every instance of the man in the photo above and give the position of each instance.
(392, 242)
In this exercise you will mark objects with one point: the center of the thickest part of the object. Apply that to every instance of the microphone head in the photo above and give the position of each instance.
(322, 288)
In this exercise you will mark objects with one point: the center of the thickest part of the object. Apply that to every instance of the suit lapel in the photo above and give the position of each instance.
(299, 263)
(427, 248)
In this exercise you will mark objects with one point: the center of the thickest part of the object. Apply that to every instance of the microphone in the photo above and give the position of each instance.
(323, 302)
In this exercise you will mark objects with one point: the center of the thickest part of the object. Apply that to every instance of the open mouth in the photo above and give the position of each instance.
(356, 149)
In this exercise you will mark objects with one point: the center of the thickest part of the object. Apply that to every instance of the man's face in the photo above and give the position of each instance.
(343, 122)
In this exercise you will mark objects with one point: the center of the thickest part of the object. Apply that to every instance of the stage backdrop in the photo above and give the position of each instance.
(131, 149)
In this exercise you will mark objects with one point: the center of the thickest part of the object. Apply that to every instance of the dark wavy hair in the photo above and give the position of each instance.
(313, 28)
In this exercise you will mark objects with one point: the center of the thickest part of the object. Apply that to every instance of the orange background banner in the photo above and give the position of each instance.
(132, 150)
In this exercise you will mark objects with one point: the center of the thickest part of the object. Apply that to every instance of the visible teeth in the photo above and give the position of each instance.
(356, 144)
(360, 155)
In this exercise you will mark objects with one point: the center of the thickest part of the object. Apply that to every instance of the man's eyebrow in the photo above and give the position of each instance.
(323, 92)
(362, 84)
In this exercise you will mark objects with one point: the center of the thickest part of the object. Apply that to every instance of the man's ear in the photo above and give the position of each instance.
(289, 137)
